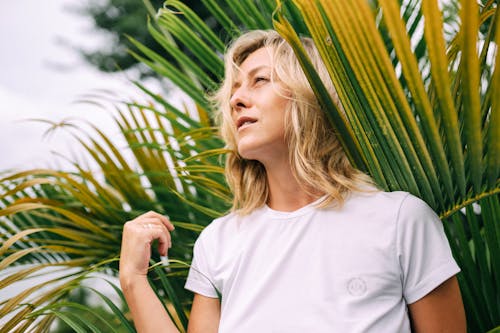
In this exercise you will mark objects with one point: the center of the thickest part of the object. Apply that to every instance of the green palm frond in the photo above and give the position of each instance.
(53, 219)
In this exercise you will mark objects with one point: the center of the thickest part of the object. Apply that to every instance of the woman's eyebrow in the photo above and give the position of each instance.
(250, 73)
(257, 69)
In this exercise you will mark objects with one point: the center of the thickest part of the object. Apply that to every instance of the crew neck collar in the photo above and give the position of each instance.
(301, 211)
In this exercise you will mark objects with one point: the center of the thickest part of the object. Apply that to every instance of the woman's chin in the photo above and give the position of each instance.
(247, 153)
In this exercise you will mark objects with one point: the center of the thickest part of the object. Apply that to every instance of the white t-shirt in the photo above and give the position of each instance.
(323, 270)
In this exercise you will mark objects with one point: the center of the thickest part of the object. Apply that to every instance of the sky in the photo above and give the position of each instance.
(42, 78)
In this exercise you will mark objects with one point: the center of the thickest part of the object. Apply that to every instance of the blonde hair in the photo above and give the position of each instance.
(316, 156)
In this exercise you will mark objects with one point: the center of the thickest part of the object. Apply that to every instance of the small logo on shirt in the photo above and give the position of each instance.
(356, 286)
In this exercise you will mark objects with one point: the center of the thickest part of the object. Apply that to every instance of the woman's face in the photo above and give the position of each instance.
(258, 109)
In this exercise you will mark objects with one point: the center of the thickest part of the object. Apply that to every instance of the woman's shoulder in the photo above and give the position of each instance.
(396, 203)
(226, 225)
(379, 198)
(219, 223)
(387, 197)
(407, 202)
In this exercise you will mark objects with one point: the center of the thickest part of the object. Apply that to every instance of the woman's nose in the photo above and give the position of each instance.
(239, 100)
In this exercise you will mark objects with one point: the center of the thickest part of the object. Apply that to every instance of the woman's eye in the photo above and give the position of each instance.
(261, 79)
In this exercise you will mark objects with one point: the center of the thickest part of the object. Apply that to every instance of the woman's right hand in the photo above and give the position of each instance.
(138, 235)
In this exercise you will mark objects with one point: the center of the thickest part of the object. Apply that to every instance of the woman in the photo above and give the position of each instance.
(310, 245)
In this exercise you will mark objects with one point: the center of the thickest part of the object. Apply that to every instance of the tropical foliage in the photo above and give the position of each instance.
(117, 19)
(420, 88)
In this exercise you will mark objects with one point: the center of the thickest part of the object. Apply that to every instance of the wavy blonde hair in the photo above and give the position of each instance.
(316, 156)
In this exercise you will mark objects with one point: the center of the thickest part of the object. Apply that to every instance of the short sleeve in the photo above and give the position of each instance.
(423, 249)
(200, 279)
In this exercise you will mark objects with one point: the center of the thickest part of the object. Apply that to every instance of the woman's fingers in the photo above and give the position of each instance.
(138, 235)
(163, 218)
(160, 232)
(154, 225)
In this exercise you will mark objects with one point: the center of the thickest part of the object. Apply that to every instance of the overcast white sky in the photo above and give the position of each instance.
(40, 78)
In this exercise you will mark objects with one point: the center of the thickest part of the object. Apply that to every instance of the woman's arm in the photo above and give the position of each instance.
(205, 315)
(147, 310)
(150, 316)
(138, 235)
(439, 311)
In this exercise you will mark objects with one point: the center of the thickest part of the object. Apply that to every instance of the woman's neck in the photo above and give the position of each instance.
(285, 192)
